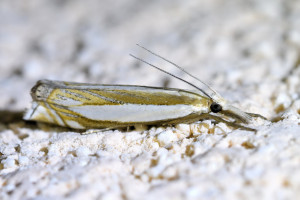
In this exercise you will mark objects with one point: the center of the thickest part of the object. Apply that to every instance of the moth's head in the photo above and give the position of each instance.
(220, 105)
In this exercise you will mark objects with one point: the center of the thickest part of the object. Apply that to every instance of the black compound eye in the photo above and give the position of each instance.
(215, 107)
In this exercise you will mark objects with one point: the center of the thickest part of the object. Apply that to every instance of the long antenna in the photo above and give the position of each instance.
(171, 75)
(178, 67)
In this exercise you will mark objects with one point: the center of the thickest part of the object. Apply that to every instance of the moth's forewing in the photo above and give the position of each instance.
(85, 106)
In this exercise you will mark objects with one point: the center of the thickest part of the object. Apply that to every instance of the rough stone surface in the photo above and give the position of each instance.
(248, 50)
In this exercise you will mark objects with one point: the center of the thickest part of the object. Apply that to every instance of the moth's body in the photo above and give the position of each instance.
(83, 106)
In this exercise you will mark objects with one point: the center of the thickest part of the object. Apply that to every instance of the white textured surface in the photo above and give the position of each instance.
(247, 50)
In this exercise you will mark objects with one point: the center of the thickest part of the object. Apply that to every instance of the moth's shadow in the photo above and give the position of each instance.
(9, 116)
(10, 119)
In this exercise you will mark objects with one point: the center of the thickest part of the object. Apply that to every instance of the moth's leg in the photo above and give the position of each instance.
(90, 131)
(140, 127)
(219, 119)
(256, 115)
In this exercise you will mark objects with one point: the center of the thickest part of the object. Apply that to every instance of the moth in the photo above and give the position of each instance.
(92, 106)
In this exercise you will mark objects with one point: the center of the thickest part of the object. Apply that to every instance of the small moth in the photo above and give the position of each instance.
(92, 106)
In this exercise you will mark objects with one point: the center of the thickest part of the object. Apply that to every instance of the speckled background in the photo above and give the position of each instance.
(248, 50)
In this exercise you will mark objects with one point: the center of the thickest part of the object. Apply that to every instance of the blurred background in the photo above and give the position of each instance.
(243, 48)
(248, 50)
